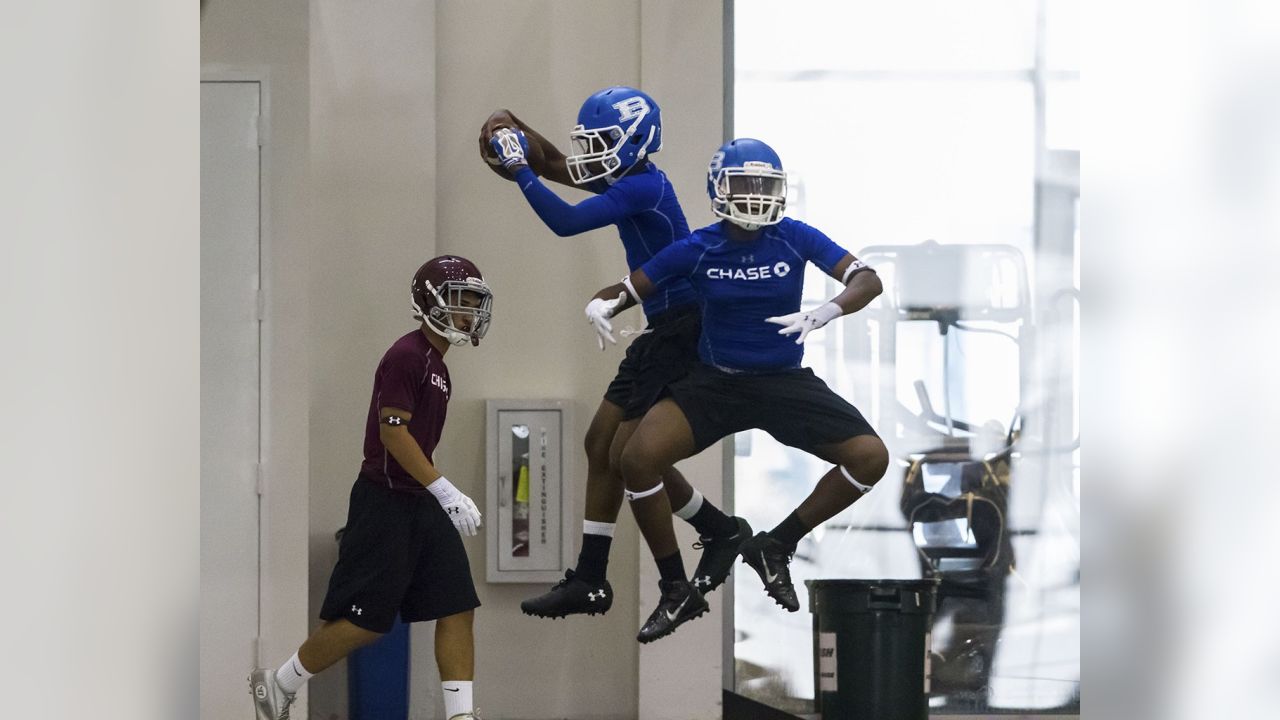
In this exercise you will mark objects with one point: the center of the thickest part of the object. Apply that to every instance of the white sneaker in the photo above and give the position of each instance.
(270, 700)
(473, 715)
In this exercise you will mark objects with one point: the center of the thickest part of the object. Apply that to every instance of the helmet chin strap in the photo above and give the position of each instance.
(644, 149)
(450, 334)
(640, 154)
(744, 224)
(739, 222)
(454, 337)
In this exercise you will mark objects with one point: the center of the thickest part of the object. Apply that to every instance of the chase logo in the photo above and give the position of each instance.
(632, 107)
(762, 272)
(439, 382)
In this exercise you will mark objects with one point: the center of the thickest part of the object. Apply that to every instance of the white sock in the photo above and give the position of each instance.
(591, 527)
(690, 508)
(291, 676)
(457, 697)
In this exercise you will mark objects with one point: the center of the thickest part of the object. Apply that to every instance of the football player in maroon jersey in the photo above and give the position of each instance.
(401, 551)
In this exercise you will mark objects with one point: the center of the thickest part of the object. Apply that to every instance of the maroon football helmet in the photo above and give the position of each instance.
(437, 296)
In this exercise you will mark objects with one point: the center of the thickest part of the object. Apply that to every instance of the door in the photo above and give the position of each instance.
(229, 395)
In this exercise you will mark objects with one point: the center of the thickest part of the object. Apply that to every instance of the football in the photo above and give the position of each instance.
(496, 121)
(486, 150)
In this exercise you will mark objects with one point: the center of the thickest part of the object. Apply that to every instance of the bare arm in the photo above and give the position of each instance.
(545, 159)
(861, 287)
(460, 509)
(397, 440)
(553, 164)
(640, 282)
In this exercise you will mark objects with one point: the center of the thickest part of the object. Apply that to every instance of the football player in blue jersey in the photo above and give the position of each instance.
(618, 129)
(747, 270)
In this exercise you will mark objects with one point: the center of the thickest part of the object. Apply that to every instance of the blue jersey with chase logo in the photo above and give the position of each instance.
(742, 283)
(641, 204)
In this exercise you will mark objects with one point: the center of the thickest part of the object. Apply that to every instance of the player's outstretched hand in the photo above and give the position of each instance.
(598, 313)
(806, 322)
(511, 148)
(462, 512)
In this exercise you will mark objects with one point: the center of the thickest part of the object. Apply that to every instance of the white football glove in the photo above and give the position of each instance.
(511, 147)
(461, 510)
(806, 322)
(598, 314)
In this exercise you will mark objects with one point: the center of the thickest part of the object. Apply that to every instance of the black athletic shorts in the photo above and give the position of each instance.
(794, 406)
(661, 356)
(400, 554)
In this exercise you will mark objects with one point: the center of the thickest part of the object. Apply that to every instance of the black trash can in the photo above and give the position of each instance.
(871, 648)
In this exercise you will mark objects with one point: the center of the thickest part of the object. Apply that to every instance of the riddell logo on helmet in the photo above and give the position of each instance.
(762, 272)
(632, 107)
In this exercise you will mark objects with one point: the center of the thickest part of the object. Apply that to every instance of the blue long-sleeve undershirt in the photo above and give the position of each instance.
(564, 219)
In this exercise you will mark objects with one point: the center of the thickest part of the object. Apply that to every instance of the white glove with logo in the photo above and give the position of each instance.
(806, 322)
(459, 508)
(511, 147)
(598, 314)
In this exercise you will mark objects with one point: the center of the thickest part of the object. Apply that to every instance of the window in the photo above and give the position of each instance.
(917, 134)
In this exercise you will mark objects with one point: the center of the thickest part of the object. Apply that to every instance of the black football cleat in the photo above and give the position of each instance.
(680, 602)
(717, 557)
(571, 596)
(772, 562)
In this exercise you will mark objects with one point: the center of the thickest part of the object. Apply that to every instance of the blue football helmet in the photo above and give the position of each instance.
(747, 184)
(617, 127)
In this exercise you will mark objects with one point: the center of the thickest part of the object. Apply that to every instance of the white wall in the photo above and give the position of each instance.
(541, 60)
(538, 346)
(269, 41)
(681, 66)
(386, 100)
(373, 211)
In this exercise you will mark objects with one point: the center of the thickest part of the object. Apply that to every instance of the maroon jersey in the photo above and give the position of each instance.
(412, 376)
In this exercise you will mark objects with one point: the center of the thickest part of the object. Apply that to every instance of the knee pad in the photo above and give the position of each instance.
(864, 489)
(631, 496)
